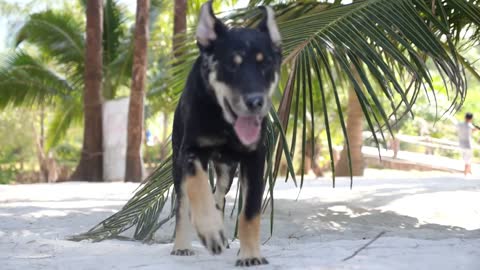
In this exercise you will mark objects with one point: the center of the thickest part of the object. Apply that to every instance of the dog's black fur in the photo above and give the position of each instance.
(226, 97)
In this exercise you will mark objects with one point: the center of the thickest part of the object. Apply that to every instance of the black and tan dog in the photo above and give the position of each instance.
(221, 118)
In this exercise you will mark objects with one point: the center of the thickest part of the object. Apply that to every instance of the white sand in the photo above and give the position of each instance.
(430, 223)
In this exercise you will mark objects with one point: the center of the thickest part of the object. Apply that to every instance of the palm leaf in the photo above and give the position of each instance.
(113, 30)
(117, 49)
(368, 42)
(142, 210)
(57, 34)
(25, 81)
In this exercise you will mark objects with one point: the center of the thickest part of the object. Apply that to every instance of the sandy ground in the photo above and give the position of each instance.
(430, 222)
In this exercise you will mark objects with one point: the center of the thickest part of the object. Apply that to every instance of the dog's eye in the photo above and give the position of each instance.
(259, 57)
(263, 60)
(235, 62)
(237, 59)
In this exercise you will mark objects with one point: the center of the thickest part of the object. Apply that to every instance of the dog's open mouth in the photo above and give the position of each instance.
(247, 128)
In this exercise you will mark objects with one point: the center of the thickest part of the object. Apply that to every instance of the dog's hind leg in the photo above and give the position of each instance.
(252, 184)
(225, 172)
(206, 218)
(183, 226)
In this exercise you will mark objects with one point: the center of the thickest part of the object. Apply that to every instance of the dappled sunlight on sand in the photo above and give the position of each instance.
(426, 219)
(452, 208)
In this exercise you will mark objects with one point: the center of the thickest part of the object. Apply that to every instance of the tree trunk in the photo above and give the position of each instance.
(90, 167)
(311, 159)
(179, 24)
(42, 126)
(40, 142)
(308, 162)
(134, 165)
(165, 133)
(354, 133)
(179, 29)
(41, 158)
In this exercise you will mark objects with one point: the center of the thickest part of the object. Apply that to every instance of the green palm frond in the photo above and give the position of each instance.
(386, 51)
(57, 34)
(57, 76)
(462, 16)
(25, 81)
(369, 43)
(142, 210)
(117, 49)
(114, 30)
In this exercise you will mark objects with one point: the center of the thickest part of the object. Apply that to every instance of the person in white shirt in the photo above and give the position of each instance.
(465, 130)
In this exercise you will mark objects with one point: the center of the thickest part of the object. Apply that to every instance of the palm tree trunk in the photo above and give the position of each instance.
(311, 159)
(355, 138)
(354, 133)
(90, 167)
(179, 24)
(165, 133)
(42, 126)
(179, 28)
(40, 142)
(134, 165)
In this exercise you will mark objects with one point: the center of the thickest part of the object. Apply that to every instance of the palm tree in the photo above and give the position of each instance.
(48, 68)
(58, 37)
(134, 164)
(90, 167)
(179, 24)
(355, 140)
(384, 51)
(179, 31)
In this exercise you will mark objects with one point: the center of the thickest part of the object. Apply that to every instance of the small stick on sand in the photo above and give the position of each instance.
(364, 246)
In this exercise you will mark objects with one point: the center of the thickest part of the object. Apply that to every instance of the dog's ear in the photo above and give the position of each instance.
(209, 27)
(269, 25)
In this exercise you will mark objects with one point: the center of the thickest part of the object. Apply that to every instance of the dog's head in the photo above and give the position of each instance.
(241, 66)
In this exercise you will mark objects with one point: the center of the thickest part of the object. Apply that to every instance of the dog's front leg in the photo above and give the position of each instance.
(206, 218)
(251, 177)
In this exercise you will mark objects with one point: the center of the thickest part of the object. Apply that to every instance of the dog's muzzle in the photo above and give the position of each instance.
(248, 121)
(254, 102)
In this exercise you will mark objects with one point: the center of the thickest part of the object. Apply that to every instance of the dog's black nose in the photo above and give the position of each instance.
(254, 102)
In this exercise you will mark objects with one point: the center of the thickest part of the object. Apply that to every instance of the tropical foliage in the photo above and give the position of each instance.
(17, 134)
(47, 66)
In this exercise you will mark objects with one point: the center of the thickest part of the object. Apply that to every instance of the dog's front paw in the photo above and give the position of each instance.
(182, 252)
(213, 240)
(251, 261)
(211, 233)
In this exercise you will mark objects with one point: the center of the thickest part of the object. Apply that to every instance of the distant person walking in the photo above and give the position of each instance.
(465, 130)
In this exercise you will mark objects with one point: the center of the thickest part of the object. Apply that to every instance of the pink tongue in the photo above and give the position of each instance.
(248, 129)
